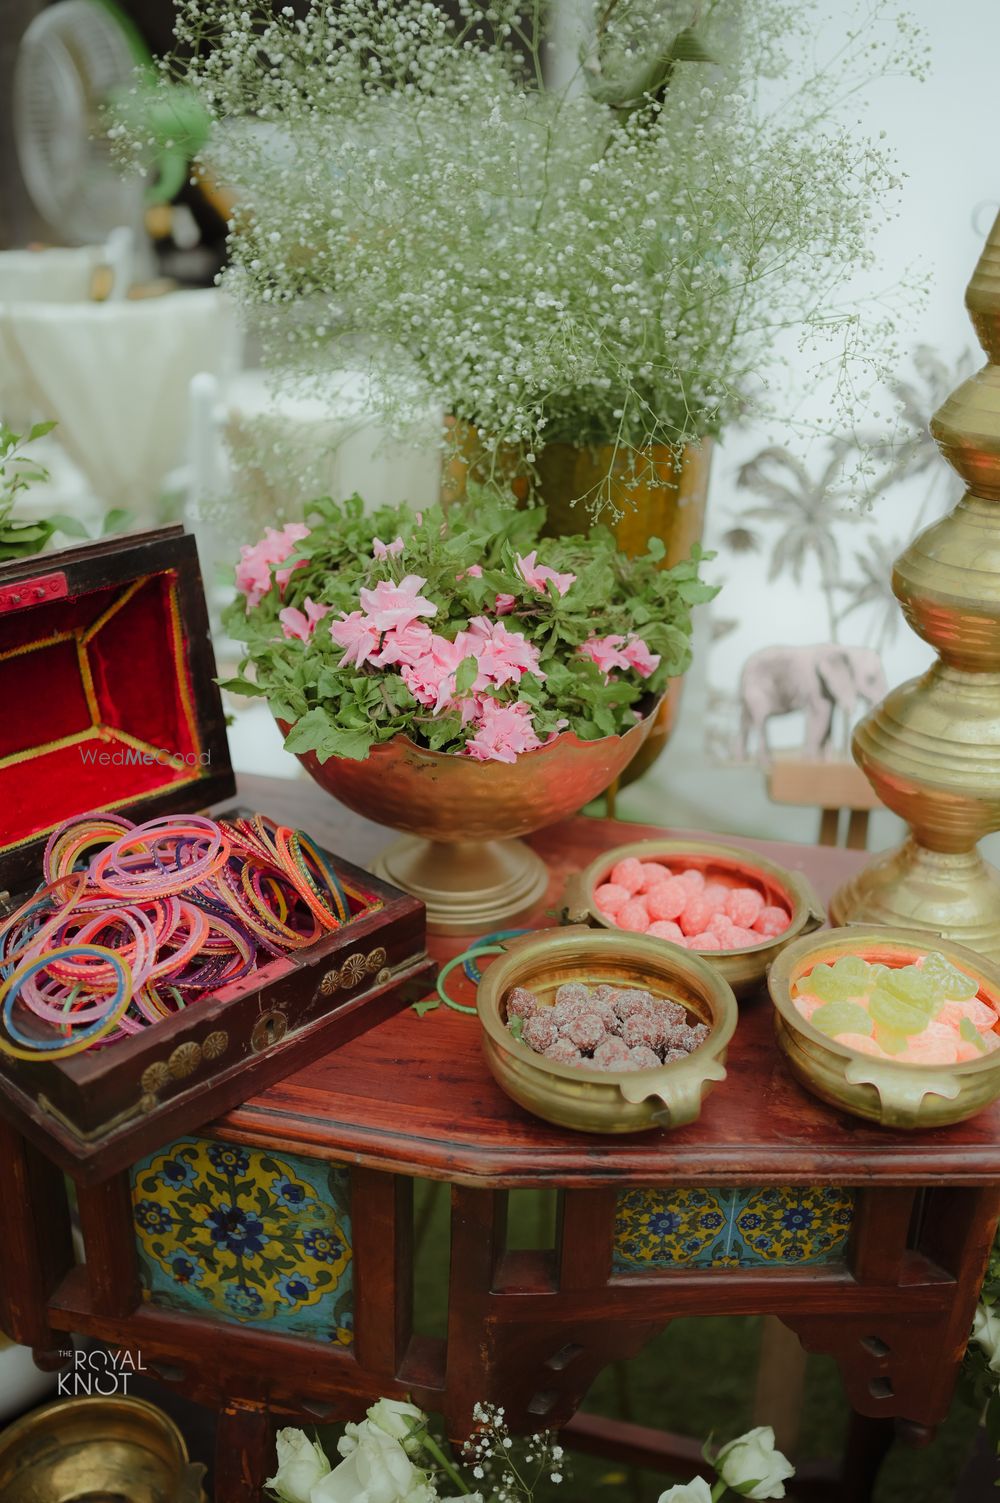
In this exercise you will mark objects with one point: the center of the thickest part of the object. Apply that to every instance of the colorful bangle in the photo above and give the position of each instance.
(32, 1048)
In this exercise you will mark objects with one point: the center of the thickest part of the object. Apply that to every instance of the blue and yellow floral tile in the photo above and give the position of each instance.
(246, 1235)
(776, 1227)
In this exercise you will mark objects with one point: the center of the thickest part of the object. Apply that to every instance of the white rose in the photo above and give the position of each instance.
(301, 1464)
(376, 1470)
(752, 1467)
(697, 1491)
(986, 1330)
(400, 1420)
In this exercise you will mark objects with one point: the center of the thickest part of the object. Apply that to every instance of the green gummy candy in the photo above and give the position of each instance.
(970, 1033)
(889, 1040)
(853, 973)
(913, 985)
(896, 1013)
(842, 1017)
(822, 983)
(948, 980)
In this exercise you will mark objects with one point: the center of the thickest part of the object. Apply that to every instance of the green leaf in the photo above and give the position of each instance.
(239, 686)
(39, 430)
(466, 675)
(689, 48)
(656, 548)
(116, 520)
(72, 527)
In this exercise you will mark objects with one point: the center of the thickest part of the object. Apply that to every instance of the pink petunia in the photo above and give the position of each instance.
(253, 572)
(640, 658)
(606, 652)
(537, 575)
(302, 624)
(431, 677)
(386, 550)
(389, 605)
(358, 634)
(504, 604)
(474, 571)
(503, 732)
(503, 655)
(404, 645)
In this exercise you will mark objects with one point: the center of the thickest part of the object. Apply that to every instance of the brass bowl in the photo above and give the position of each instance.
(114, 1450)
(460, 816)
(731, 865)
(606, 1101)
(883, 1091)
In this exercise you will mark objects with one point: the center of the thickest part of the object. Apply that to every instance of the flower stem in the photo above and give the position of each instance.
(450, 1470)
(718, 1490)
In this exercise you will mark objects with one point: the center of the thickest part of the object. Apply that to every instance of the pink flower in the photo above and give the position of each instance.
(536, 575)
(390, 605)
(606, 652)
(503, 732)
(431, 677)
(504, 604)
(502, 655)
(405, 645)
(640, 658)
(358, 634)
(253, 573)
(302, 624)
(474, 571)
(386, 550)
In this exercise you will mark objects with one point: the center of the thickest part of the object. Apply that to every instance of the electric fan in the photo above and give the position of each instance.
(75, 58)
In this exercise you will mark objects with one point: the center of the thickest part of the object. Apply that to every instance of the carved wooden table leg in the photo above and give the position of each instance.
(244, 1453)
(36, 1248)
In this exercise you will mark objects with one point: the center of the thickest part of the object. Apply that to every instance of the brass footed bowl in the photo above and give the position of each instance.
(733, 866)
(883, 1091)
(606, 1101)
(115, 1450)
(461, 816)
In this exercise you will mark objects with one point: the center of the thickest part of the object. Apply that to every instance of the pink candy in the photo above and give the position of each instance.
(628, 874)
(633, 916)
(668, 899)
(697, 915)
(654, 873)
(772, 921)
(610, 896)
(744, 905)
(664, 929)
(705, 941)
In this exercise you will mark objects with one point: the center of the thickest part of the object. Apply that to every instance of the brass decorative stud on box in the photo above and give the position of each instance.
(931, 749)
(107, 677)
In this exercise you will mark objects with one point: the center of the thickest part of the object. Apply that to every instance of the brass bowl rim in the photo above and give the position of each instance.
(563, 738)
(47, 1418)
(799, 902)
(851, 937)
(495, 980)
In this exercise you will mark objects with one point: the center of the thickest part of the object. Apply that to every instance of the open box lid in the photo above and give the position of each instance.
(108, 699)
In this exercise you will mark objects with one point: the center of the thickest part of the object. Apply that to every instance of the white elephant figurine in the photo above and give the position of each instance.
(819, 680)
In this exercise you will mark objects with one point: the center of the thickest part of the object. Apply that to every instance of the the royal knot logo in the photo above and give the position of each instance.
(98, 1374)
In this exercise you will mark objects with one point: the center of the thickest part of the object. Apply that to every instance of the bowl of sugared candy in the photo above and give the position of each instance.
(729, 904)
(605, 1032)
(890, 1026)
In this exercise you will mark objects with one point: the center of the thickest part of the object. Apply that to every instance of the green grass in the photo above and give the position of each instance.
(696, 1377)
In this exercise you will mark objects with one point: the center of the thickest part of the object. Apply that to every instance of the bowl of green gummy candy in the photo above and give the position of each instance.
(892, 1025)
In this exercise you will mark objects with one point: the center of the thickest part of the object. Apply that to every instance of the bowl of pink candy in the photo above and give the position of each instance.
(889, 1025)
(730, 905)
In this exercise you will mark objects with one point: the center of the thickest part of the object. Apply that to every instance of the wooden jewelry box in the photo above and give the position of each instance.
(107, 682)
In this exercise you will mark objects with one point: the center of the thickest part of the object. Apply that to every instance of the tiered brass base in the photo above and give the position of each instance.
(957, 895)
(468, 887)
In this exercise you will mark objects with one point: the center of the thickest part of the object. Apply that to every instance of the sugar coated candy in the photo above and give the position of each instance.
(913, 984)
(744, 905)
(633, 916)
(772, 921)
(742, 939)
(862, 1042)
(666, 929)
(948, 979)
(697, 914)
(627, 873)
(693, 879)
(633, 999)
(842, 1017)
(610, 896)
(521, 1003)
(667, 900)
(563, 1052)
(654, 874)
(642, 1028)
(895, 1012)
(704, 941)
(611, 1054)
(572, 991)
(540, 1031)
(716, 893)
(643, 1058)
(979, 1014)
(586, 1031)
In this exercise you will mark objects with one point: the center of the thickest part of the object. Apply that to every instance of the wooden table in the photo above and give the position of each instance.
(531, 1329)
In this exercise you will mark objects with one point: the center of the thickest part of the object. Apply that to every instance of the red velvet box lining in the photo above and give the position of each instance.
(97, 706)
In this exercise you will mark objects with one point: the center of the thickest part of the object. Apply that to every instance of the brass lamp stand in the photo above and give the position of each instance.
(931, 749)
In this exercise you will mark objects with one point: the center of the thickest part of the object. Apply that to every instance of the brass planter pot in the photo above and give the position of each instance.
(884, 1091)
(606, 1101)
(744, 970)
(114, 1450)
(667, 501)
(461, 817)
